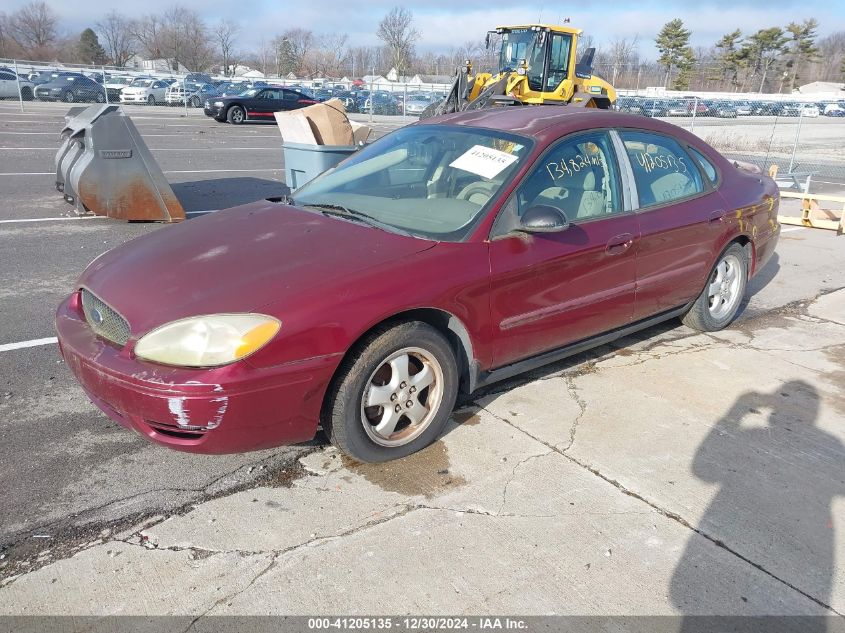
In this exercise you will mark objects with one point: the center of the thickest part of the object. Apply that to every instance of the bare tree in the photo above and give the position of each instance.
(328, 55)
(33, 27)
(398, 34)
(831, 55)
(196, 52)
(149, 33)
(116, 32)
(224, 34)
(622, 50)
(290, 48)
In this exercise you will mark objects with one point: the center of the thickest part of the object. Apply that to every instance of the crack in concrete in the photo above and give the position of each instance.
(512, 477)
(91, 531)
(582, 406)
(669, 514)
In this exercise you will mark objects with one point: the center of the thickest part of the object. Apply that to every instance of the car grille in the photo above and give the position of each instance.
(104, 320)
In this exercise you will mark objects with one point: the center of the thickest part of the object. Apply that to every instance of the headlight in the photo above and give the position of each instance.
(208, 341)
(218, 104)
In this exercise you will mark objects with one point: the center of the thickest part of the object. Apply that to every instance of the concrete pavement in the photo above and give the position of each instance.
(681, 473)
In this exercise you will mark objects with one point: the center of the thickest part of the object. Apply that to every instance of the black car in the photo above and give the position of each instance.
(257, 104)
(71, 87)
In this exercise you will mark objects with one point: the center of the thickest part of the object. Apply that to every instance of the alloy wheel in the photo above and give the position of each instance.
(402, 397)
(724, 285)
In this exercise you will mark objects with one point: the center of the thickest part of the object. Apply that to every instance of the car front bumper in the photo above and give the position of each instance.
(133, 98)
(230, 409)
(212, 111)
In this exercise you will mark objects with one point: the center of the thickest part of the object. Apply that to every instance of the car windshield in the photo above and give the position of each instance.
(432, 181)
(142, 83)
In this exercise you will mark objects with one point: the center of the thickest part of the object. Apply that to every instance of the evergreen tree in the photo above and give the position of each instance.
(802, 47)
(89, 49)
(730, 57)
(766, 47)
(675, 52)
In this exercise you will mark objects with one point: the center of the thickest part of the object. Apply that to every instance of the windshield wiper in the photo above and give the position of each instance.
(345, 212)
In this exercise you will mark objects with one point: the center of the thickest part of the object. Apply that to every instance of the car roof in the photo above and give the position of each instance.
(549, 122)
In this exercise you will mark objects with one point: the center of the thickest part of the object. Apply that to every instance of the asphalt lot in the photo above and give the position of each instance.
(627, 480)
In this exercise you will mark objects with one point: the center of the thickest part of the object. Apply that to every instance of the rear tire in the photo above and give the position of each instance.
(195, 102)
(151, 100)
(236, 115)
(393, 394)
(26, 94)
(100, 98)
(719, 302)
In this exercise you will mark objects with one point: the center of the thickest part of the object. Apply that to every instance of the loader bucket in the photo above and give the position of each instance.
(104, 167)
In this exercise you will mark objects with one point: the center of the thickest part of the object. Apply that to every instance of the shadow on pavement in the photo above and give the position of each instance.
(778, 474)
(222, 193)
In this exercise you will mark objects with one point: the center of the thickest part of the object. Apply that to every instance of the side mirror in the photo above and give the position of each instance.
(543, 219)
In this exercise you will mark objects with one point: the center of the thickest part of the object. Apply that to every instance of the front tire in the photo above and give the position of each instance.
(195, 102)
(151, 100)
(719, 302)
(26, 94)
(100, 98)
(69, 97)
(393, 394)
(236, 115)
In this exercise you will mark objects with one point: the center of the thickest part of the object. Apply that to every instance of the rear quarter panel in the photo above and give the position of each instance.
(752, 201)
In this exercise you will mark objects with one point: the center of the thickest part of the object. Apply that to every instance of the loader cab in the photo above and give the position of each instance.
(543, 55)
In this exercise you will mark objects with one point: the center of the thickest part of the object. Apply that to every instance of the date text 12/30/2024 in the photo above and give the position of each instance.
(405, 623)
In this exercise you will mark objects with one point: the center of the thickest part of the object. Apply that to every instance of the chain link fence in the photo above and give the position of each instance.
(803, 136)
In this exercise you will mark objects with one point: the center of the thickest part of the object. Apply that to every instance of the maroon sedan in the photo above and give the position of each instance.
(449, 254)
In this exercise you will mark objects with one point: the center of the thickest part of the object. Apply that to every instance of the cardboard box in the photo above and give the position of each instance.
(321, 124)
(295, 128)
(329, 123)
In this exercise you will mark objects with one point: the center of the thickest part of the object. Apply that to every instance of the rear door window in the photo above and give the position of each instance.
(708, 167)
(663, 170)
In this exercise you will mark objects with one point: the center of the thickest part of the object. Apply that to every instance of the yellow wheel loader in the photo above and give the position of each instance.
(536, 66)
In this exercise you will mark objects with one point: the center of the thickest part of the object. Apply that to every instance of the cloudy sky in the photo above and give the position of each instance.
(445, 24)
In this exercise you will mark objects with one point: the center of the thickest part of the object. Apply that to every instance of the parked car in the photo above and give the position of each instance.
(655, 108)
(198, 78)
(510, 245)
(350, 102)
(9, 86)
(415, 106)
(149, 91)
(809, 110)
(381, 104)
(196, 94)
(834, 109)
(629, 105)
(70, 87)
(257, 104)
(722, 109)
(743, 108)
(115, 84)
(677, 107)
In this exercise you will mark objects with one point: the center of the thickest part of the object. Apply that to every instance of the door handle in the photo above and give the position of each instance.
(717, 216)
(619, 244)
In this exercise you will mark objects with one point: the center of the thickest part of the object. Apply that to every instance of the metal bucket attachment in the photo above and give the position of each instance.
(104, 167)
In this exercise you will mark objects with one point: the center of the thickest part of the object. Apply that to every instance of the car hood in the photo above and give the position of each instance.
(136, 89)
(237, 260)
